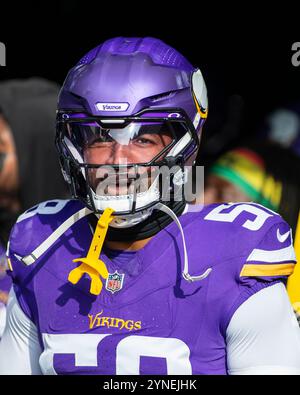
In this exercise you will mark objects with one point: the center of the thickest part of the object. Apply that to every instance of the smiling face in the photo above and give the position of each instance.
(113, 149)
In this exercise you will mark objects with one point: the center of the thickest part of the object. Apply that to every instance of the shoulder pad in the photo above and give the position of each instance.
(242, 234)
(33, 227)
(247, 216)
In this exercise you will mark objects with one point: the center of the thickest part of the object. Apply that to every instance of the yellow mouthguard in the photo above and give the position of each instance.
(91, 264)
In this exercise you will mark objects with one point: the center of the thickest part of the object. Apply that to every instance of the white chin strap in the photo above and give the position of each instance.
(185, 273)
(46, 244)
(127, 221)
(124, 203)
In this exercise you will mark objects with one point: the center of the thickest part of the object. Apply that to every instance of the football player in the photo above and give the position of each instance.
(124, 278)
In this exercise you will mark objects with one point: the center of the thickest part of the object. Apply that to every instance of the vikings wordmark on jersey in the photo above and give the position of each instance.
(150, 320)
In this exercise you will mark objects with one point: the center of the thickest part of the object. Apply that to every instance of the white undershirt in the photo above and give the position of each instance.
(19, 346)
(263, 337)
(2, 318)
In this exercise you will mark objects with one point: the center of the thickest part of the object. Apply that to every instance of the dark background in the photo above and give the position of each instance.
(242, 52)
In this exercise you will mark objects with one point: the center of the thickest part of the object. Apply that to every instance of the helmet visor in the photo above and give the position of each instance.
(135, 142)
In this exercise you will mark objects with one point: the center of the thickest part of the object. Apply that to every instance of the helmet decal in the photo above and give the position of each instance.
(200, 93)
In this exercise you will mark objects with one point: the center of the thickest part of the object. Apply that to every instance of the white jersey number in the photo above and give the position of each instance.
(128, 352)
(47, 208)
(218, 214)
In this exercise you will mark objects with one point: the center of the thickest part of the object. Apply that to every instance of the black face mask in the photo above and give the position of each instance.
(157, 221)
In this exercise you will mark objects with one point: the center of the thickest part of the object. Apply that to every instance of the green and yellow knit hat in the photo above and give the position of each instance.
(245, 169)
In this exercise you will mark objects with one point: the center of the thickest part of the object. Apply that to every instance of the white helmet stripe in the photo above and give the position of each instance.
(199, 89)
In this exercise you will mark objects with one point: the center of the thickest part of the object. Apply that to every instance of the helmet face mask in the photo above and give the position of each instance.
(118, 159)
(128, 110)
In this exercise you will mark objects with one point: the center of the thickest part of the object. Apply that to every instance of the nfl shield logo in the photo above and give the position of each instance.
(114, 282)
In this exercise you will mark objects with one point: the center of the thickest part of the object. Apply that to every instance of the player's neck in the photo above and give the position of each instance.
(127, 245)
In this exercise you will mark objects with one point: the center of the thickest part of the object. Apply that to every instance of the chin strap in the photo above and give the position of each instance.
(92, 264)
(185, 273)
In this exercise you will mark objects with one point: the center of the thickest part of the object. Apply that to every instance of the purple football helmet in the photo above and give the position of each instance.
(124, 95)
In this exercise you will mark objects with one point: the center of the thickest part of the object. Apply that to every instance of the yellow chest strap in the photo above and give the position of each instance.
(91, 264)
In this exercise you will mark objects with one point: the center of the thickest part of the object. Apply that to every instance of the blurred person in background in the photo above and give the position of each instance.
(282, 127)
(29, 171)
(265, 173)
(261, 172)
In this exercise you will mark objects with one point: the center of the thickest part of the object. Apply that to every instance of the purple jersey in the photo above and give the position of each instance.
(147, 319)
(5, 282)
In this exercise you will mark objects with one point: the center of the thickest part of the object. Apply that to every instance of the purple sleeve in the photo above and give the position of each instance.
(273, 258)
(24, 289)
(5, 283)
(270, 262)
(30, 230)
